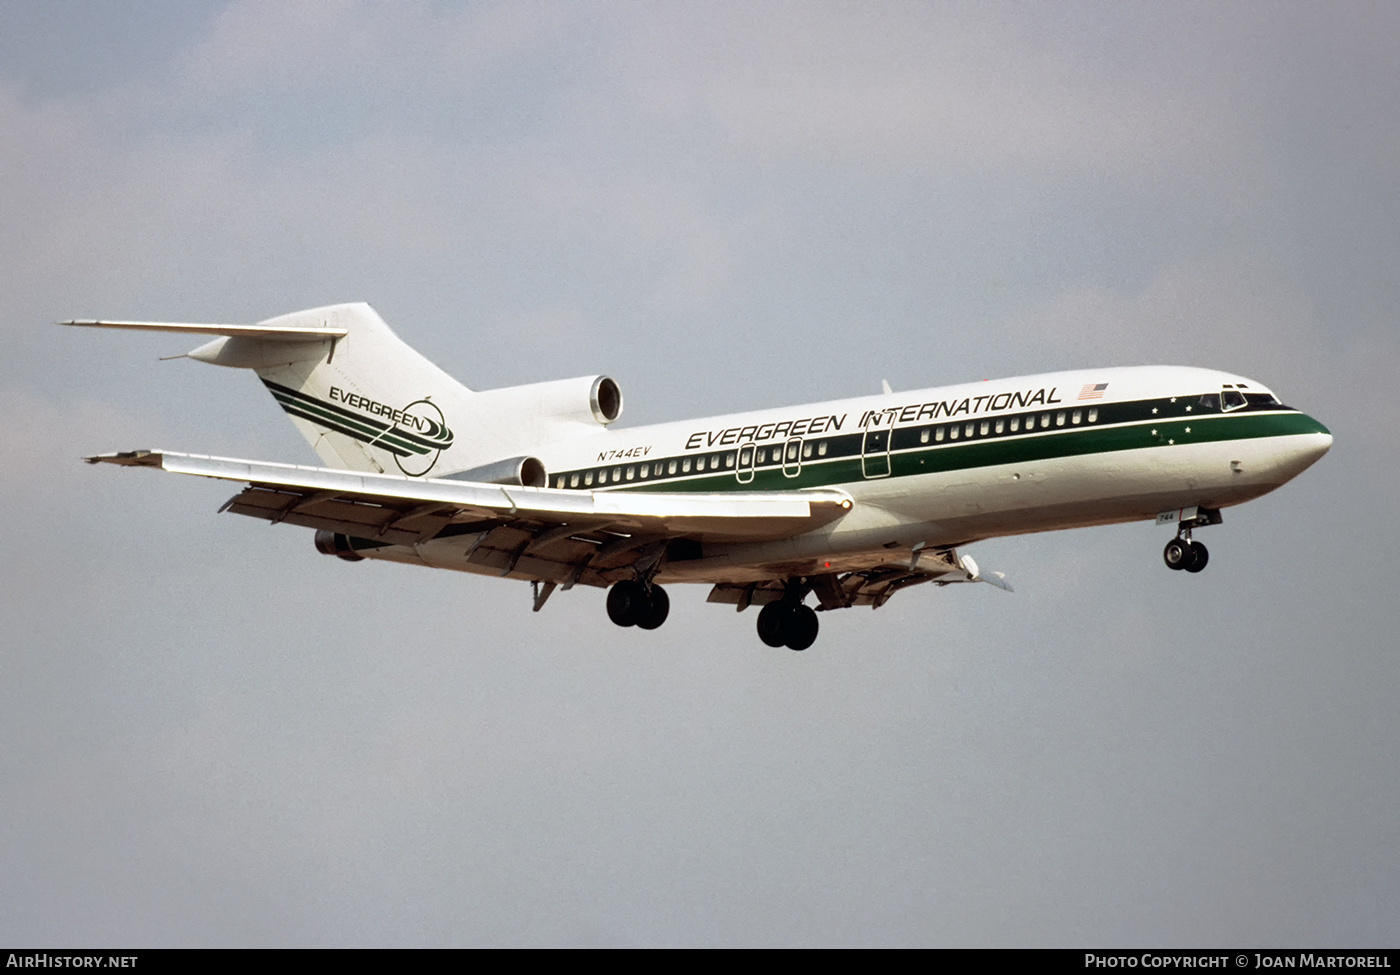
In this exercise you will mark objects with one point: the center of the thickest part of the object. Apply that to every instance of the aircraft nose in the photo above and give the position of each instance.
(1305, 449)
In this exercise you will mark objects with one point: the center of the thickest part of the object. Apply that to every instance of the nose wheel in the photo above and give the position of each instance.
(1183, 553)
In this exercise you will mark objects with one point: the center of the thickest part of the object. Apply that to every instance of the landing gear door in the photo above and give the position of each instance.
(875, 453)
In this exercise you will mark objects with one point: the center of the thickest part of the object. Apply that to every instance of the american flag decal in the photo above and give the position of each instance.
(1093, 391)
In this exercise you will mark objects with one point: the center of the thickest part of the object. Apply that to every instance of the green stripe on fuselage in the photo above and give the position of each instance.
(1005, 449)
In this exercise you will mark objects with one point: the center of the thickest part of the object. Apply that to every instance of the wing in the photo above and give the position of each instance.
(585, 533)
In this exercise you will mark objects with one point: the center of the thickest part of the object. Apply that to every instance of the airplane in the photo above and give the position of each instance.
(849, 501)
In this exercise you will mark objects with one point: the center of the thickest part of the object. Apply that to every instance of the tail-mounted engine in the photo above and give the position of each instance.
(588, 400)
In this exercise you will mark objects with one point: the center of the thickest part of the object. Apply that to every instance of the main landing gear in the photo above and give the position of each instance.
(787, 623)
(635, 603)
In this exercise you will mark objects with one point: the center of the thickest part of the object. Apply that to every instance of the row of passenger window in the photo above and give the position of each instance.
(787, 454)
(1002, 425)
(633, 472)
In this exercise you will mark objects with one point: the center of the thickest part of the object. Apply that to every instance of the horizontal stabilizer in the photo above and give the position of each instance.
(268, 333)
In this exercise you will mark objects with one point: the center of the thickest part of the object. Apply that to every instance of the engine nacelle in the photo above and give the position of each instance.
(586, 399)
(519, 471)
(334, 543)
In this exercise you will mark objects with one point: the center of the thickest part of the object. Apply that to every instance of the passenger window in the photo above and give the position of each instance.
(984, 428)
(631, 473)
(952, 433)
(792, 451)
(821, 449)
(671, 468)
(617, 474)
(1094, 415)
(573, 480)
(938, 435)
(806, 450)
(645, 471)
(1060, 418)
(923, 435)
(1030, 423)
(1001, 426)
(1044, 420)
(700, 463)
(729, 459)
(1015, 423)
(588, 479)
(714, 462)
(685, 466)
(967, 430)
(1076, 416)
(746, 456)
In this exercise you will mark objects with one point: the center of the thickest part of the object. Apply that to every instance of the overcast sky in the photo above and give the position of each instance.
(212, 735)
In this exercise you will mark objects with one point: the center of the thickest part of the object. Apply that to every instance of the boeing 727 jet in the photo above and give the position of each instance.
(847, 502)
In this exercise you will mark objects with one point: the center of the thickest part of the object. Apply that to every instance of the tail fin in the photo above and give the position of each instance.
(361, 397)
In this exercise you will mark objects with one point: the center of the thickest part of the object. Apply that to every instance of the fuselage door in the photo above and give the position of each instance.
(875, 453)
(792, 457)
(744, 471)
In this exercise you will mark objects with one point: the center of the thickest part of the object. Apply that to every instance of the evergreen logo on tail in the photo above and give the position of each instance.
(416, 434)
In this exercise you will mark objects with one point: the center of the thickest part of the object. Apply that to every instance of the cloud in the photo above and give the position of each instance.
(969, 88)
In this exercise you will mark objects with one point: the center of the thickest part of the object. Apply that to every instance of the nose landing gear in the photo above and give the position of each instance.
(1183, 553)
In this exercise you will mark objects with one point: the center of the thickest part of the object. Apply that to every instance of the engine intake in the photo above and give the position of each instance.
(606, 399)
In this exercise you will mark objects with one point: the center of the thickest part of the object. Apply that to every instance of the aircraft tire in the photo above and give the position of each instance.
(653, 612)
(1199, 557)
(1177, 554)
(772, 623)
(801, 629)
(626, 600)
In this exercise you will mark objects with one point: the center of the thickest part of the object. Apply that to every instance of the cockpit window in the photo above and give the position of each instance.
(1231, 399)
(1211, 401)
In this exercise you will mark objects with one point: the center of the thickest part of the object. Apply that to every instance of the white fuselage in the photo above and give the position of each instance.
(943, 467)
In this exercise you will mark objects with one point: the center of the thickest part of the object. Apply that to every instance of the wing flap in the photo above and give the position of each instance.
(863, 587)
